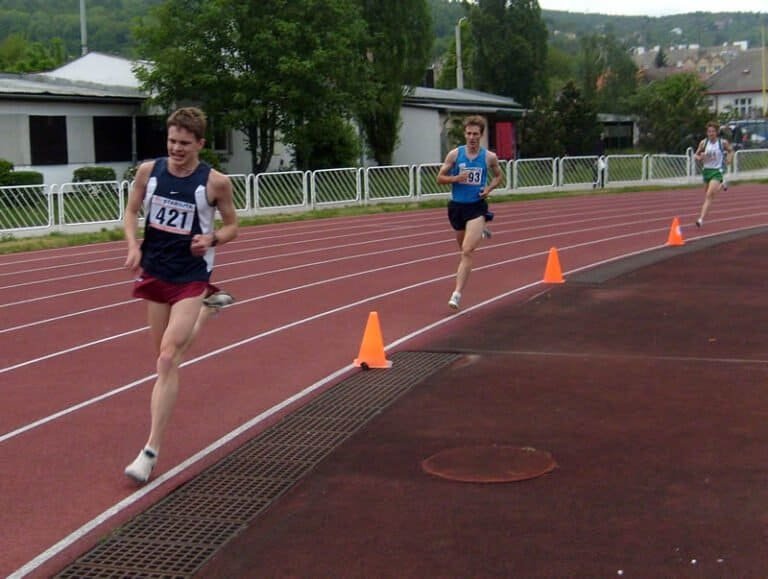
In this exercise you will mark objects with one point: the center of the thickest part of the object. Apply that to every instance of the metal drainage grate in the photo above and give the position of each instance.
(177, 536)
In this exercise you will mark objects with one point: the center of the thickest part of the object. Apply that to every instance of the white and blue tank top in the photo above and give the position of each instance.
(469, 192)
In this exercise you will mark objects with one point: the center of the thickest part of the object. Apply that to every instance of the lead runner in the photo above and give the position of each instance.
(180, 195)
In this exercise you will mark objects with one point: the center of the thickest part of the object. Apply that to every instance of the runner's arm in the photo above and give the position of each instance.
(497, 175)
(131, 215)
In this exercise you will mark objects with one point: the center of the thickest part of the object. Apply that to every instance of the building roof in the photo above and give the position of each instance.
(462, 101)
(96, 67)
(94, 76)
(742, 74)
(38, 86)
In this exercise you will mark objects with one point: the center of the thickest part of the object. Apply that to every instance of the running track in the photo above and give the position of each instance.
(76, 364)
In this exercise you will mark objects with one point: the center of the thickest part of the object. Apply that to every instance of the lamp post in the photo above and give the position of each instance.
(459, 69)
(83, 30)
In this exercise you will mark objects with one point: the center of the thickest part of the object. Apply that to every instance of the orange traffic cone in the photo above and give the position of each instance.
(372, 348)
(553, 273)
(675, 235)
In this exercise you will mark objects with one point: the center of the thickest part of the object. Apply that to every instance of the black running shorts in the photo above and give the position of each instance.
(460, 213)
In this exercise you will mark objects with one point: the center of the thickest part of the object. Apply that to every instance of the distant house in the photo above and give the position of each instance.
(738, 88)
(691, 58)
(54, 125)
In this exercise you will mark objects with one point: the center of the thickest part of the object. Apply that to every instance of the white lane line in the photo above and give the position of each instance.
(61, 278)
(69, 315)
(82, 346)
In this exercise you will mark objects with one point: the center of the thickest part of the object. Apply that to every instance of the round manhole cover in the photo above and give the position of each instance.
(489, 464)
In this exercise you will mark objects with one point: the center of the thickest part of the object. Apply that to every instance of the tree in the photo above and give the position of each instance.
(672, 113)
(19, 55)
(661, 58)
(398, 48)
(561, 67)
(258, 67)
(326, 143)
(578, 118)
(541, 131)
(608, 75)
(510, 48)
(592, 63)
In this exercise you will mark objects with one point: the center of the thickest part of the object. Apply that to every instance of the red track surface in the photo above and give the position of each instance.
(76, 365)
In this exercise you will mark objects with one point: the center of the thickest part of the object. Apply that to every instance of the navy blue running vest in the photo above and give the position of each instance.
(176, 209)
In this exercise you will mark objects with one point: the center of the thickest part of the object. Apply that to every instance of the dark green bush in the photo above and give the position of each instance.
(22, 178)
(94, 174)
(211, 157)
(5, 169)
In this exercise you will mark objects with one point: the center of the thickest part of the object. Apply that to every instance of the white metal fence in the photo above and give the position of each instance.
(88, 206)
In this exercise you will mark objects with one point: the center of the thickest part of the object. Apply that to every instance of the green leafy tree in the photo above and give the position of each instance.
(510, 48)
(542, 131)
(18, 55)
(578, 118)
(618, 76)
(672, 113)
(591, 63)
(444, 16)
(398, 48)
(661, 59)
(325, 143)
(258, 67)
(561, 68)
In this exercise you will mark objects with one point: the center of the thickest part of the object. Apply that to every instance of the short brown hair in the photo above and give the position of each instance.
(189, 118)
(477, 121)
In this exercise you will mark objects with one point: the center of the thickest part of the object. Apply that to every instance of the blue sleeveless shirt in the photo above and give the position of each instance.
(176, 209)
(469, 192)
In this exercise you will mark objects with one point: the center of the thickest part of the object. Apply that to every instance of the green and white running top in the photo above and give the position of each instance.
(714, 155)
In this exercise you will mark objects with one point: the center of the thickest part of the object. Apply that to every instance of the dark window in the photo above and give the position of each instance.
(219, 139)
(151, 137)
(48, 140)
(112, 139)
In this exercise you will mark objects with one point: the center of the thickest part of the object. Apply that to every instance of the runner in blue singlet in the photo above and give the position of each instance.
(466, 169)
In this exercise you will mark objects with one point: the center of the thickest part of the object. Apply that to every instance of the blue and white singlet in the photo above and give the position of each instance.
(469, 192)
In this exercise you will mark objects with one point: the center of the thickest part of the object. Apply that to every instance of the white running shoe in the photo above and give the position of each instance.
(140, 469)
(219, 300)
(487, 234)
(454, 301)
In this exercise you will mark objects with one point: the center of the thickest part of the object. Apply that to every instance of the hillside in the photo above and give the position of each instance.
(702, 28)
(109, 25)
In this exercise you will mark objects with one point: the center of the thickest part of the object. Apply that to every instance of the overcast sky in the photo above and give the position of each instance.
(654, 7)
